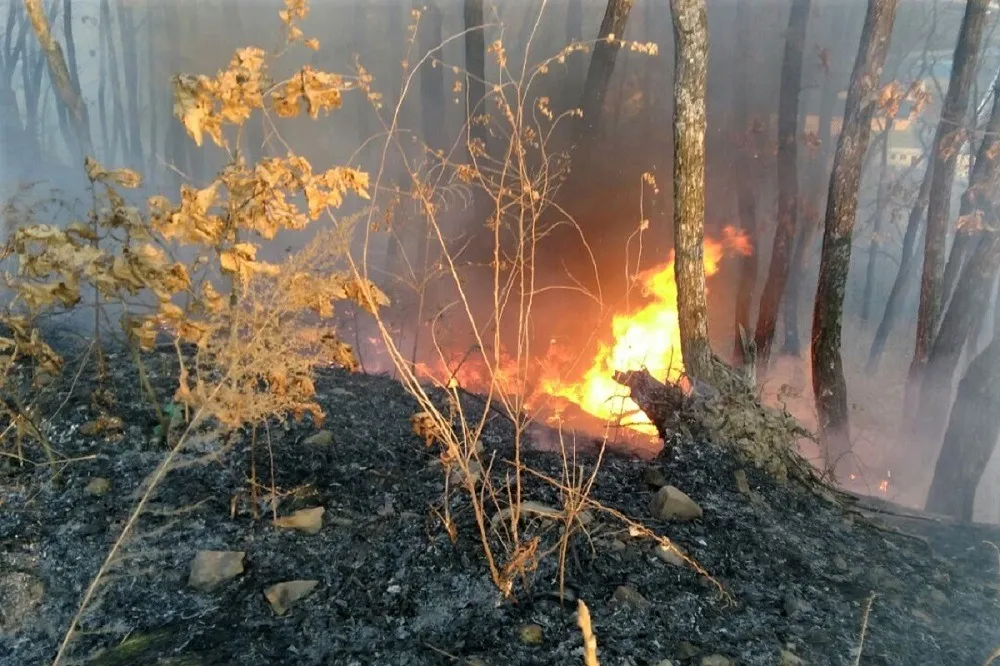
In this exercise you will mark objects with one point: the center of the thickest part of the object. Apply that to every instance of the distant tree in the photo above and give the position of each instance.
(130, 57)
(829, 385)
(602, 64)
(900, 286)
(814, 202)
(690, 22)
(881, 200)
(788, 189)
(746, 197)
(948, 141)
(475, 66)
(62, 79)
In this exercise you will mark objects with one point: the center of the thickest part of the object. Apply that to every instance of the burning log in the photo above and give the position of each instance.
(661, 402)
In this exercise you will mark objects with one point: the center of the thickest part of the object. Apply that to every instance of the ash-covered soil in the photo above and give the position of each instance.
(797, 570)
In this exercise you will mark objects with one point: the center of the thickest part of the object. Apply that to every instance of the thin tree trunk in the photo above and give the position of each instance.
(829, 385)
(746, 199)
(431, 97)
(602, 64)
(971, 437)
(788, 189)
(690, 22)
(151, 91)
(69, 95)
(130, 54)
(819, 178)
(875, 244)
(948, 142)
(118, 118)
(901, 285)
(475, 66)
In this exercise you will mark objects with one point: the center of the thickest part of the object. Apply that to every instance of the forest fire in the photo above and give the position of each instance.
(646, 336)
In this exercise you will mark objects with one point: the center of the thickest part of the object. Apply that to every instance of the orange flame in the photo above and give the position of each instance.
(645, 338)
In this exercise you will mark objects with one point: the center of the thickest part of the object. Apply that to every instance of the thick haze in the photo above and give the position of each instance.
(126, 50)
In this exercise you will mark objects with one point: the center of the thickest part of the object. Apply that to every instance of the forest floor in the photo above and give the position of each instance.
(797, 570)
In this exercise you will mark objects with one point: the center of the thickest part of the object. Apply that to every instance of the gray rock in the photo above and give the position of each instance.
(20, 595)
(670, 555)
(98, 487)
(715, 660)
(630, 597)
(654, 478)
(321, 438)
(282, 596)
(789, 658)
(212, 567)
(670, 503)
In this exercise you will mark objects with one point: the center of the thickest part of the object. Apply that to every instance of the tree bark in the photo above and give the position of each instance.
(62, 80)
(746, 200)
(829, 385)
(788, 188)
(602, 64)
(948, 142)
(690, 24)
(971, 436)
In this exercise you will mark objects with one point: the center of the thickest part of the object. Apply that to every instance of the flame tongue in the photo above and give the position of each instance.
(646, 338)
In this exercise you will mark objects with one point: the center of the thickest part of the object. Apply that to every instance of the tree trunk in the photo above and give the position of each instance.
(948, 142)
(829, 385)
(69, 95)
(690, 22)
(802, 253)
(746, 200)
(788, 188)
(970, 438)
(966, 235)
(881, 195)
(972, 291)
(602, 65)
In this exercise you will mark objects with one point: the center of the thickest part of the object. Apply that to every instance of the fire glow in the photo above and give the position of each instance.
(647, 337)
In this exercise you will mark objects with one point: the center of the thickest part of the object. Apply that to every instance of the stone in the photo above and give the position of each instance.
(665, 662)
(309, 521)
(20, 595)
(715, 660)
(742, 483)
(840, 563)
(687, 651)
(789, 658)
(670, 503)
(458, 475)
(795, 606)
(670, 555)
(630, 597)
(321, 438)
(937, 596)
(531, 634)
(923, 616)
(282, 596)
(98, 486)
(212, 567)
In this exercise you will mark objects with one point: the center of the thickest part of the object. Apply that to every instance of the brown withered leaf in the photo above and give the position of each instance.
(96, 172)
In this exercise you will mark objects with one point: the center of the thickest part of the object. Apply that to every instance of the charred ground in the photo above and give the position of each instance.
(393, 589)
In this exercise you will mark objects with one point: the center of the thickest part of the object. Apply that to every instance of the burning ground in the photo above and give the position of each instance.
(797, 567)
